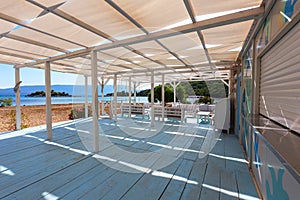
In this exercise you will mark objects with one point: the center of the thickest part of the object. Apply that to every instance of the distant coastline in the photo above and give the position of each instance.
(53, 94)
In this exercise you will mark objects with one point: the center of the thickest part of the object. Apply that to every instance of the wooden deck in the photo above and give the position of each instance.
(175, 162)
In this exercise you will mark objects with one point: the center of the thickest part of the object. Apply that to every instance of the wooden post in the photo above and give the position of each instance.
(115, 97)
(129, 96)
(163, 97)
(134, 94)
(174, 92)
(86, 100)
(95, 103)
(18, 100)
(48, 100)
(152, 98)
(102, 96)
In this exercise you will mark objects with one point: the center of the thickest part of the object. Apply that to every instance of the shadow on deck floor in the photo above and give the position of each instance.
(169, 161)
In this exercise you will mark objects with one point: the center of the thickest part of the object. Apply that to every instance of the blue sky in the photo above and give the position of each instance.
(31, 76)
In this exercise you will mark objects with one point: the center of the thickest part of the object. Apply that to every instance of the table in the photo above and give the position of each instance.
(203, 116)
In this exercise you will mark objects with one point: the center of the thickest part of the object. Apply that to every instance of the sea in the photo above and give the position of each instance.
(30, 101)
(77, 93)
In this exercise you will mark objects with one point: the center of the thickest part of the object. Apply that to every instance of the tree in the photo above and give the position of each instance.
(157, 94)
(180, 94)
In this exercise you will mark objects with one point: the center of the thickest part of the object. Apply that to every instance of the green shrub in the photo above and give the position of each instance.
(13, 122)
(5, 102)
(206, 100)
(77, 113)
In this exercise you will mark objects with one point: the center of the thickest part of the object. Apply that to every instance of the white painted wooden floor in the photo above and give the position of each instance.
(168, 161)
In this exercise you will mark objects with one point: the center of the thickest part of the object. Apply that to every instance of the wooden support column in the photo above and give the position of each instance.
(115, 98)
(254, 102)
(129, 96)
(102, 84)
(163, 97)
(174, 92)
(134, 93)
(86, 97)
(48, 100)
(18, 99)
(95, 103)
(231, 98)
(174, 85)
(152, 98)
(102, 96)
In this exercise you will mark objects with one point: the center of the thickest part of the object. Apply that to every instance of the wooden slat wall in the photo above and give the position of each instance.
(280, 81)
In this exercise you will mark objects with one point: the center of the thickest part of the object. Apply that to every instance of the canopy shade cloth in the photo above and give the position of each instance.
(185, 39)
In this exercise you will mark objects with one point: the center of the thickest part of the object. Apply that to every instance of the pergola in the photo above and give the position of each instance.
(133, 40)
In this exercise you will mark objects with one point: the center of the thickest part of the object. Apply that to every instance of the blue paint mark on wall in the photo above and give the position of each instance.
(257, 157)
(278, 192)
(289, 8)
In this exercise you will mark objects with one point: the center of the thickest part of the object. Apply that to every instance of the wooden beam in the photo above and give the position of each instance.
(138, 25)
(34, 42)
(21, 51)
(23, 24)
(259, 25)
(16, 55)
(205, 24)
(7, 62)
(199, 32)
(73, 20)
(82, 24)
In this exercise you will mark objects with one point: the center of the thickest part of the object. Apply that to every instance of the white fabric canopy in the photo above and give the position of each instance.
(37, 30)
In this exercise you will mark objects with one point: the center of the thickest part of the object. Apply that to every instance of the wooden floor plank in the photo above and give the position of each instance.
(151, 186)
(37, 171)
(192, 191)
(61, 169)
(228, 186)
(34, 151)
(116, 185)
(178, 181)
(245, 185)
(211, 183)
(55, 180)
(78, 182)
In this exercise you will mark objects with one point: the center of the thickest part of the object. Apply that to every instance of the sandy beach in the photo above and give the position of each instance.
(34, 115)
